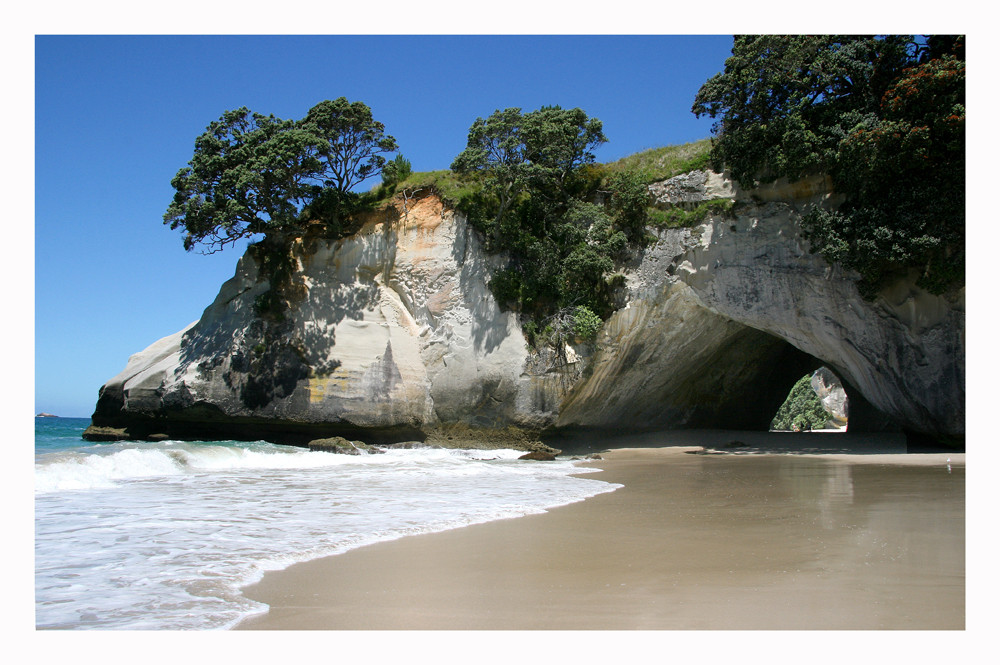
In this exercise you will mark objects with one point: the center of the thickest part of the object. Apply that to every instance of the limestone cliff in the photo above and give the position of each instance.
(393, 334)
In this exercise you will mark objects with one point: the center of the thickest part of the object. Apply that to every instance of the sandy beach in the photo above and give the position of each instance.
(708, 531)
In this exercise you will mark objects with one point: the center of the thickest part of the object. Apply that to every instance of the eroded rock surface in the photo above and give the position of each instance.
(391, 332)
(712, 310)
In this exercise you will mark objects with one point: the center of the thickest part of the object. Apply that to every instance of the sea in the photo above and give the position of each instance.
(163, 535)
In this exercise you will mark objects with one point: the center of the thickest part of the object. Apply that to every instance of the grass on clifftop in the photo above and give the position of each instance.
(653, 165)
(665, 162)
(446, 183)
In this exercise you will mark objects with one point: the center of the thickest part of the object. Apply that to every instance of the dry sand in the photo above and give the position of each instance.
(787, 533)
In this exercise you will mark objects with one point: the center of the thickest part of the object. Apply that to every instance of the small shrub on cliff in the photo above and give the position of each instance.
(678, 217)
(586, 323)
(396, 171)
(629, 202)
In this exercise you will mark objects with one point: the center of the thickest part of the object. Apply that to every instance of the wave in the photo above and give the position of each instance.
(164, 535)
(108, 465)
(104, 466)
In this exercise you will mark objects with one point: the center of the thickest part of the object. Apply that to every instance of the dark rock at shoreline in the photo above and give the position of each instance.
(340, 445)
(409, 445)
(589, 458)
(95, 433)
(538, 455)
(458, 435)
(539, 447)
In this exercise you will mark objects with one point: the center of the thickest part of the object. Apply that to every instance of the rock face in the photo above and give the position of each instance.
(671, 355)
(386, 334)
(392, 334)
(831, 393)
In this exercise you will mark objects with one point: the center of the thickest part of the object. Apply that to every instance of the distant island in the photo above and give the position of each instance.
(45, 415)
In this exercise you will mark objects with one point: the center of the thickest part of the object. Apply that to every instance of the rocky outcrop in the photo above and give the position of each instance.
(342, 446)
(392, 335)
(387, 335)
(538, 456)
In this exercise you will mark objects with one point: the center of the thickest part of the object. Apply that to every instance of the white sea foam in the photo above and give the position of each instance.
(104, 467)
(164, 535)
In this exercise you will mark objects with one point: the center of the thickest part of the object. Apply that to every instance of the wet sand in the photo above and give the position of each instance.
(826, 532)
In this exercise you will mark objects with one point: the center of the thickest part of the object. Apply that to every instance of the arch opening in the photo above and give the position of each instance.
(817, 402)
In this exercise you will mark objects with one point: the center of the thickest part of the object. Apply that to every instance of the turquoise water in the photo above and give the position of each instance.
(53, 434)
(135, 535)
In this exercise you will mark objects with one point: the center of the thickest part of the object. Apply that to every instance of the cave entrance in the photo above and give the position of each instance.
(817, 402)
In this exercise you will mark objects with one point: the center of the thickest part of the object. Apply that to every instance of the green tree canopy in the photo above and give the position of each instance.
(884, 116)
(253, 174)
(780, 101)
(537, 205)
(348, 142)
(541, 149)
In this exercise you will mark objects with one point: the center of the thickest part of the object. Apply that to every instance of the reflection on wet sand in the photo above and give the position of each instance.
(692, 541)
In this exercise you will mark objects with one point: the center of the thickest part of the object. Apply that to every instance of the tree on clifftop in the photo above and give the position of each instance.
(541, 149)
(537, 205)
(253, 174)
(347, 141)
(883, 116)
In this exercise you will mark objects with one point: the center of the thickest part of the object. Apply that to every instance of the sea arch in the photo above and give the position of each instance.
(675, 364)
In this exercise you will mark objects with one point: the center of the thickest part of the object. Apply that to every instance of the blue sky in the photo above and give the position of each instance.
(116, 117)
